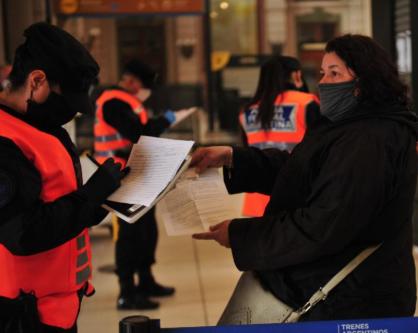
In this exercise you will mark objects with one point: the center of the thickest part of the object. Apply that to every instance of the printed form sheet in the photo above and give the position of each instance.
(153, 162)
(196, 203)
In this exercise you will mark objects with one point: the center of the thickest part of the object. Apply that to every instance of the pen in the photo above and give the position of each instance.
(91, 158)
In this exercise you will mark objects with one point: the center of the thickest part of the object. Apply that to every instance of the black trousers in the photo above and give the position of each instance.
(136, 244)
(11, 325)
(20, 315)
(50, 329)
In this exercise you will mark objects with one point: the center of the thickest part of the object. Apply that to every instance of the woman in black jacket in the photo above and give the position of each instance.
(348, 185)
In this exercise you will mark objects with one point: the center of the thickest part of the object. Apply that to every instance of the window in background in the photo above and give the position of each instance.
(143, 38)
(403, 40)
(313, 31)
(234, 26)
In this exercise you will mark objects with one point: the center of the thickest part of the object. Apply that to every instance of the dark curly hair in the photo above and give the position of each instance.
(377, 76)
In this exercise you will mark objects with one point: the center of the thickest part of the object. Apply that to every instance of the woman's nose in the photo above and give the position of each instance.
(322, 80)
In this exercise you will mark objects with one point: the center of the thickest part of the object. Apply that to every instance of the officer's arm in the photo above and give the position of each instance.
(156, 126)
(120, 115)
(28, 225)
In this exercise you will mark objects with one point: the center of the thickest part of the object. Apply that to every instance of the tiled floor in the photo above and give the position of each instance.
(202, 272)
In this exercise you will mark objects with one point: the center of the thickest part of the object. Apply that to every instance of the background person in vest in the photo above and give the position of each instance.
(121, 119)
(45, 210)
(277, 116)
(349, 184)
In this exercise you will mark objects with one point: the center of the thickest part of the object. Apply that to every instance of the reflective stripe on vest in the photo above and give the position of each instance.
(107, 138)
(81, 242)
(107, 153)
(54, 276)
(288, 128)
(82, 259)
(83, 274)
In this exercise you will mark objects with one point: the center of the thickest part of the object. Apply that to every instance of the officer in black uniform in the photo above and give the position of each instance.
(137, 242)
(49, 84)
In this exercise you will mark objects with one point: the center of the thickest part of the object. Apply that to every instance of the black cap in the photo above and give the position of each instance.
(143, 72)
(64, 60)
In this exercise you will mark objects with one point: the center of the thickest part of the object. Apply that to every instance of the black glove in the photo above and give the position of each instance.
(104, 181)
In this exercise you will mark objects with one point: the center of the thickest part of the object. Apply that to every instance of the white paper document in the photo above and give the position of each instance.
(153, 162)
(196, 203)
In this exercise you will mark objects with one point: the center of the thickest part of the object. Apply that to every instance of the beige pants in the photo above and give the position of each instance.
(251, 304)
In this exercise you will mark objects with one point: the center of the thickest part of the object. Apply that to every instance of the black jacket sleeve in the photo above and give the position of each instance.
(120, 115)
(28, 225)
(331, 219)
(254, 170)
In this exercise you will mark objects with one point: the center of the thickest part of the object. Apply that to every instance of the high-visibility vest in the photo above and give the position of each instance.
(54, 276)
(288, 127)
(107, 140)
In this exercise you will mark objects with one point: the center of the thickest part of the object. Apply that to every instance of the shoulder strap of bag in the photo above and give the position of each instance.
(322, 293)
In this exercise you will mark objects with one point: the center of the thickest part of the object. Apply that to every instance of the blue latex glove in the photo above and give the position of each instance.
(170, 116)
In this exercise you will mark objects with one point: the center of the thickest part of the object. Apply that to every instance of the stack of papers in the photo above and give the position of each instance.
(196, 203)
(155, 164)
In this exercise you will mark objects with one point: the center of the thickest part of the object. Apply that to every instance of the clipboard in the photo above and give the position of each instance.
(132, 212)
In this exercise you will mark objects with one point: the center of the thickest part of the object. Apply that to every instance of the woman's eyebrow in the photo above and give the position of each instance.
(329, 67)
(333, 66)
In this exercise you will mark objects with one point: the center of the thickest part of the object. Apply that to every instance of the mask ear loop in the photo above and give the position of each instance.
(30, 99)
(31, 92)
(356, 87)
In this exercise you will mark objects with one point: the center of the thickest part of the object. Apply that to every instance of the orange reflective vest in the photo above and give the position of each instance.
(288, 127)
(107, 140)
(54, 276)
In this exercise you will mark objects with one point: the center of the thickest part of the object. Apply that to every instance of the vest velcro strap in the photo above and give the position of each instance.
(83, 275)
(82, 259)
(124, 153)
(81, 242)
(105, 153)
(108, 138)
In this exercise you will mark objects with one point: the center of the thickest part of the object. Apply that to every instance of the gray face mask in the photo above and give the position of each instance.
(337, 100)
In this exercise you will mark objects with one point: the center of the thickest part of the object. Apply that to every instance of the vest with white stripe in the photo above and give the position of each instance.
(55, 275)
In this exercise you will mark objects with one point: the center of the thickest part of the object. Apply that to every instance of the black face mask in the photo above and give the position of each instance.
(54, 112)
(337, 99)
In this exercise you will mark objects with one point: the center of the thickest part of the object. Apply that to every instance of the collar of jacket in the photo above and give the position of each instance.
(394, 112)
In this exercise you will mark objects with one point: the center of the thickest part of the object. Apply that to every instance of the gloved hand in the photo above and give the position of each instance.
(104, 181)
(176, 117)
(170, 116)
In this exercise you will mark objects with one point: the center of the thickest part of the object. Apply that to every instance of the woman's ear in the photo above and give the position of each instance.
(297, 78)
